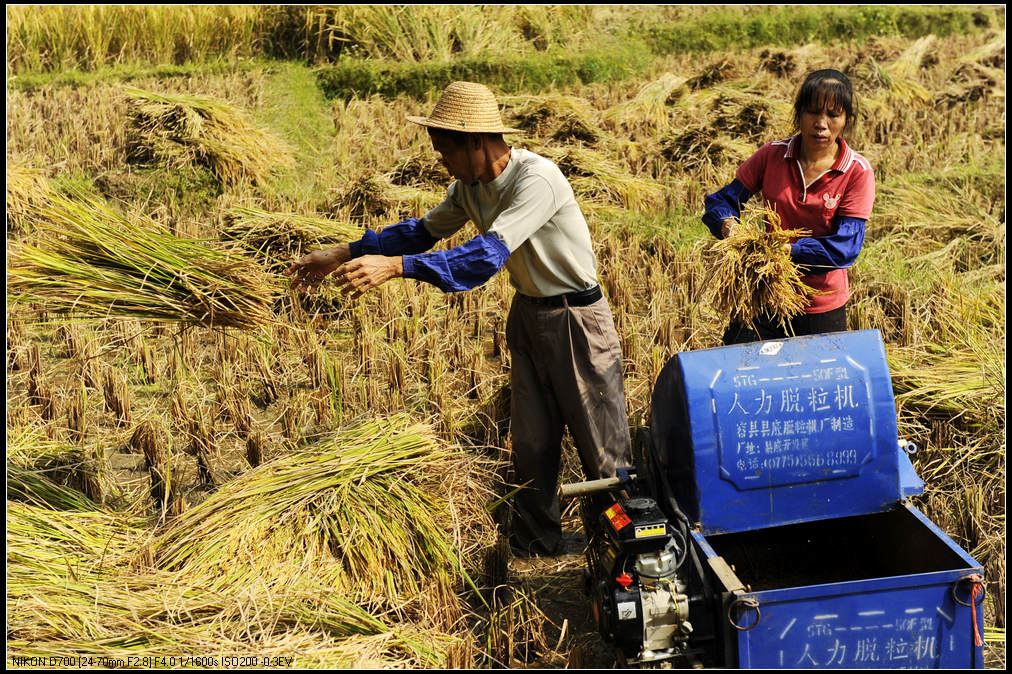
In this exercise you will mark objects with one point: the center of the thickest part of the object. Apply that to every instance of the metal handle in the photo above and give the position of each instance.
(974, 580)
(750, 602)
(589, 487)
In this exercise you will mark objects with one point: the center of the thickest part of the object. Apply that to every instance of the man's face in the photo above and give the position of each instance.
(455, 158)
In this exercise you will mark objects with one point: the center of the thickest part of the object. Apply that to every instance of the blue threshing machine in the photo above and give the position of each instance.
(765, 523)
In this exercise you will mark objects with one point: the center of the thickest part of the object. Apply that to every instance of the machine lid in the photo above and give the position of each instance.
(790, 431)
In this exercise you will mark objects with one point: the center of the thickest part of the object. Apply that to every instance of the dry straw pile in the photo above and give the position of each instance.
(178, 131)
(751, 274)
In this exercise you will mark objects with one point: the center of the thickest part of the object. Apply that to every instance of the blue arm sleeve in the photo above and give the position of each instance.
(460, 268)
(406, 237)
(724, 203)
(836, 251)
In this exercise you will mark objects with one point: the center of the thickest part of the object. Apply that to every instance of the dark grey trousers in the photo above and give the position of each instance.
(566, 371)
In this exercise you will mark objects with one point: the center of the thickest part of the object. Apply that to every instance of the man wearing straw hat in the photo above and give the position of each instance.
(565, 354)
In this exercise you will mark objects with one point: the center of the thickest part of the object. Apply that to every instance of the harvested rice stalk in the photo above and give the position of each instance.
(27, 187)
(696, 149)
(595, 175)
(73, 586)
(91, 260)
(555, 116)
(278, 238)
(179, 131)
(35, 487)
(652, 103)
(749, 273)
(366, 197)
(389, 515)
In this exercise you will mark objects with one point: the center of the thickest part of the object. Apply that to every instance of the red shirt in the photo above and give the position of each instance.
(847, 189)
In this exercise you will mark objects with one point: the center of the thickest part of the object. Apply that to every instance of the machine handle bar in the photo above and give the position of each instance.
(589, 487)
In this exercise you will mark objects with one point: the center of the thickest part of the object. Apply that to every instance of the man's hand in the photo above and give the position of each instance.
(367, 272)
(727, 226)
(310, 270)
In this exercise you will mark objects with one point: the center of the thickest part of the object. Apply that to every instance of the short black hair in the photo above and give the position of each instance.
(826, 87)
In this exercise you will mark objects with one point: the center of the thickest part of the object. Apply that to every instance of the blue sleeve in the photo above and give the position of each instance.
(460, 268)
(724, 203)
(406, 237)
(836, 251)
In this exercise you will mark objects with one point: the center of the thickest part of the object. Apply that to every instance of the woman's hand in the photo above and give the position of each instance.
(310, 270)
(727, 226)
(367, 272)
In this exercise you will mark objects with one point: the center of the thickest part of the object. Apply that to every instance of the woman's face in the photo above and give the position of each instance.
(822, 125)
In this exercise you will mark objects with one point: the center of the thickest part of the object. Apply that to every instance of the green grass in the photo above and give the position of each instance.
(793, 26)
(295, 108)
(363, 77)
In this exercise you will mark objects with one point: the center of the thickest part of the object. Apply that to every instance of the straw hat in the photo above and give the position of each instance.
(467, 107)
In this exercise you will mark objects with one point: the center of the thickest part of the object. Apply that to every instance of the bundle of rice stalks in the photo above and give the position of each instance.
(779, 63)
(924, 214)
(595, 176)
(713, 73)
(979, 74)
(27, 187)
(651, 105)
(388, 516)
(75, 587)
(751, 274)
(898, 77)
(555, 116)
(697, 150)
(178, 131)
(35, 487)
(420, 170)
(52, 473)
(278, 238)
(748, 114)
(366, 197)
(957, 374)
(93, 261)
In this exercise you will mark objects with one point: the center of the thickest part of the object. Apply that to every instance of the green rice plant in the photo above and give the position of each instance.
(178, 131)
(751, 274)
(90, 260)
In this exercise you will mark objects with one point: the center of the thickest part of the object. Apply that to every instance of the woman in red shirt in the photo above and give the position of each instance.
(814, 181)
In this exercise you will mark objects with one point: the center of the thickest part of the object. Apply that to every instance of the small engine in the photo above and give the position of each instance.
(640, 601)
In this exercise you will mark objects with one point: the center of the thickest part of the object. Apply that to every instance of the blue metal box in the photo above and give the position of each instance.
(785, 454)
